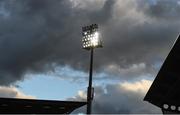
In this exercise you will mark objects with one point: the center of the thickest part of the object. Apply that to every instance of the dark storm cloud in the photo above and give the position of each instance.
(35, 35)
(136, 34)
(38, 35)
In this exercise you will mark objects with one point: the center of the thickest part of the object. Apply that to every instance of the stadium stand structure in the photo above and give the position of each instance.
(165, 90)
(33, 106)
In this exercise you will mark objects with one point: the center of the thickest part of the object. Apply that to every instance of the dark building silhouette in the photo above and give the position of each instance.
(32, 106)
(165, 90)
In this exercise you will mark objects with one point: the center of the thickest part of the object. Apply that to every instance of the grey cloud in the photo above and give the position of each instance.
(37, 36)
(164, 9)
(116, 99)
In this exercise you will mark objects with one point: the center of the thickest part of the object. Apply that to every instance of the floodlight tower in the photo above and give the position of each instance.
(91, 40)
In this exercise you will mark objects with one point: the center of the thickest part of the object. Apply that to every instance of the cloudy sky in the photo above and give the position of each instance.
(42, 56)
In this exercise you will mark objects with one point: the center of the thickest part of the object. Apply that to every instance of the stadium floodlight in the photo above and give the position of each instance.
(91, 39)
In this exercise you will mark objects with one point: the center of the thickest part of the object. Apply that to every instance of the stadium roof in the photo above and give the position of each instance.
(32, 106)
(165, 90)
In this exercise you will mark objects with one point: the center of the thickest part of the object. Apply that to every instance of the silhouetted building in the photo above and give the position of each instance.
(165, 90)
(32, 106)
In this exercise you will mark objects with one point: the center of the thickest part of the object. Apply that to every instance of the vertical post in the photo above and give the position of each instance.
(89, 92)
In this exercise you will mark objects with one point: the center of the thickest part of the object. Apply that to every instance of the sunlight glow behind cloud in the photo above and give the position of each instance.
(139, 86)
(13, 92)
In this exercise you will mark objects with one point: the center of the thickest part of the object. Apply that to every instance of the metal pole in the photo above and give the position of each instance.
(89, 93)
